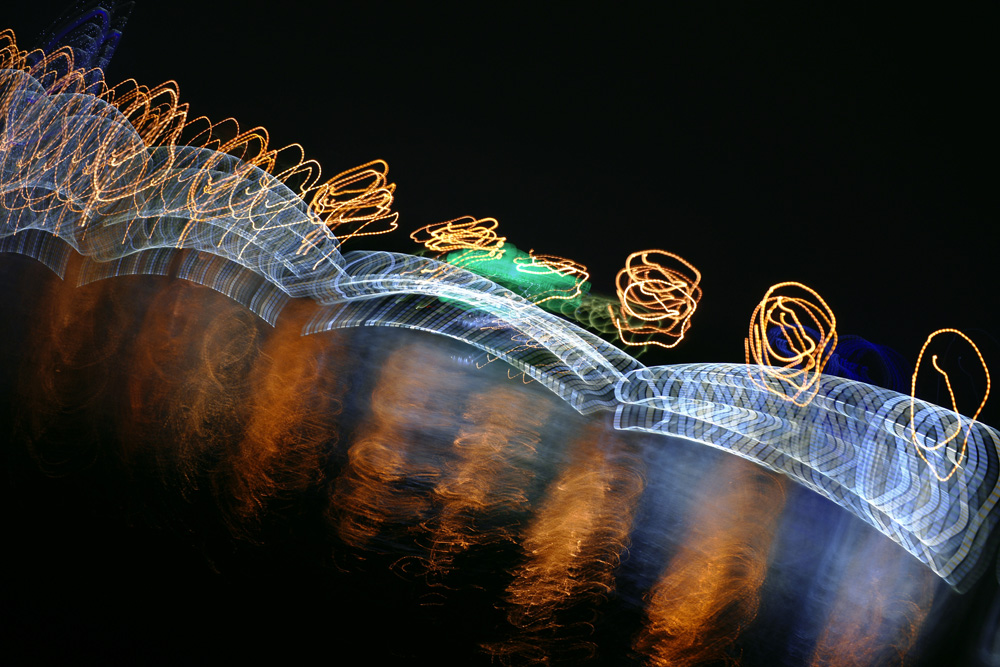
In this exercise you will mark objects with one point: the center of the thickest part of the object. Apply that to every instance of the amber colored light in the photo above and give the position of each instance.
(356, 200)
(802, 368)
(711, 589)
(464, 233)
(487, 472)
(658, 292)
(572, 549)
(954, 406)
(351, 203)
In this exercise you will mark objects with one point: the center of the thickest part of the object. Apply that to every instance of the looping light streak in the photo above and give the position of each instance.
(464, 233)
(802, 366)
(656, 297)
(361, 196)
(917, 444)
(544, 265)
(92, 149)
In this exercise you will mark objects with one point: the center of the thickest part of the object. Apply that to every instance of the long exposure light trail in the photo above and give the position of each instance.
(105, 183)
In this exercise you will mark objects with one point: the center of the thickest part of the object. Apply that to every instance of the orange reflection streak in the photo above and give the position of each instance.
(921, 448)
(879, 609)
(572, 550)
(655, 299)
(295, 399)
(382, 484)
(465, 233)
(489, 473)
(542, 265)
(710, 590)
(353, 200)
(70, 370)
(802, 369)
(225, 423)
(188, 397)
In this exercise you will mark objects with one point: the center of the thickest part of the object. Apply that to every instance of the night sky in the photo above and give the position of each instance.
(852, 151)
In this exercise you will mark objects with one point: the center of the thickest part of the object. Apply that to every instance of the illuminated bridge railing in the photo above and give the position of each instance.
(852, 444)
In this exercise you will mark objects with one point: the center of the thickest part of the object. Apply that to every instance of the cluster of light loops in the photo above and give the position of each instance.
(658, 292)
(464, 233)
(359, 197)
(801, 367)
(156, 113)
(545, 265)
(918, 445)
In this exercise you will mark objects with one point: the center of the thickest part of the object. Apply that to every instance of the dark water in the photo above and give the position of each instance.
(185, 483)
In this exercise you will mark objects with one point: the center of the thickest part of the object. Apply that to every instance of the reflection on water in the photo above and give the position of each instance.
(710, 589)
(379, 490)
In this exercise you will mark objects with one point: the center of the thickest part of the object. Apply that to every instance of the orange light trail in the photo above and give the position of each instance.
(294, 402)
(188, 383)
(803, 367)
(358, 198)
(655, 298)
(352, 201)
(921, 448)
(464, 233)
(70, 350)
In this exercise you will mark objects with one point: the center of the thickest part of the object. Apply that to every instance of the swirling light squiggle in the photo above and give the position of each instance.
(920, 443)
(800, 364)
(657, 298)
